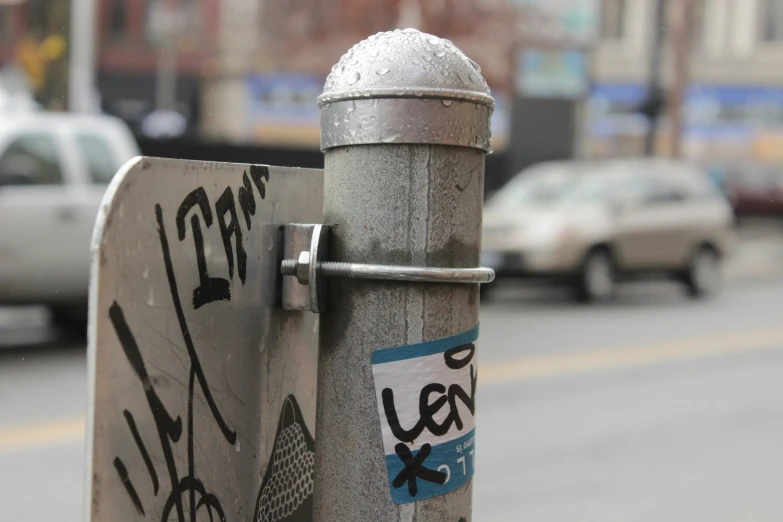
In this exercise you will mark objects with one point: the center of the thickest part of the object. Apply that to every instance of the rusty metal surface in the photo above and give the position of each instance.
(203, 392)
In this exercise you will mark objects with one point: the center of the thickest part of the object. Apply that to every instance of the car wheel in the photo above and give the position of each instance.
(486, 291)
(704, 276)
(70, 319)
(597, 278)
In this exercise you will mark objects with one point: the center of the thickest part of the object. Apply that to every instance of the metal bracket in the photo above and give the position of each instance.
(310, 268)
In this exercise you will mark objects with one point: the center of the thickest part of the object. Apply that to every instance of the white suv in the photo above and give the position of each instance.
(54, 169)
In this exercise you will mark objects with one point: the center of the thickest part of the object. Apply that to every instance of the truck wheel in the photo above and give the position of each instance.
(703, 277)
(596, 280)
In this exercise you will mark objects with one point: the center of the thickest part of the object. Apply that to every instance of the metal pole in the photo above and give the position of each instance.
(405, 127)
(682, 55)
(166, 78)
(654, 90)
(170, 25)
(81, 75)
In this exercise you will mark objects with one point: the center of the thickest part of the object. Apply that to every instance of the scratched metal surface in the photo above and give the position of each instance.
(203, 392)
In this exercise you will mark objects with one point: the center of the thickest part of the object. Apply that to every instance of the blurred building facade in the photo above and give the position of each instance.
(247, 72)
(275, 56)
(33, 39)
(152, 55)
(551, 78)
(733, 105)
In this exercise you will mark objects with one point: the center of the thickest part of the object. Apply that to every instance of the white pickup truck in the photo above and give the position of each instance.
(54, 169)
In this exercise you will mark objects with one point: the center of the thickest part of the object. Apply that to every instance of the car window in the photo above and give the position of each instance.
(31, 159)
(588, 188)
(532, 189)
(654, 190)
(778, 178)
(701, 185)
(97, 157)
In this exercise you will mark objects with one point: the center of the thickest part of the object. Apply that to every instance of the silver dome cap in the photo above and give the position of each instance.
(405, 86)
(405, 63)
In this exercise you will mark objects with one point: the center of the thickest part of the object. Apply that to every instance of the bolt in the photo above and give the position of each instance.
(288, 267)
(300, 268)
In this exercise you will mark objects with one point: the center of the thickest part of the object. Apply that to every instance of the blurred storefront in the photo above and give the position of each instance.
(733, 108)
(721, 122)
(551, 64)
(151, 57)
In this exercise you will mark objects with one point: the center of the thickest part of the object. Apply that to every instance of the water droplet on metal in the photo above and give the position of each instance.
(353, 77)
(382, 70)
(439, 53)
(433, 40)
(410, 30)
(427, 58)
(476, 66)
(418, 93)
(463, 77)
(390, 138)
(374, 53)
(447, 103)
(351, 107)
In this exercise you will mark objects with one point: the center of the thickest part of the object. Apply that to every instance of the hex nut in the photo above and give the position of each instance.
(303, 268)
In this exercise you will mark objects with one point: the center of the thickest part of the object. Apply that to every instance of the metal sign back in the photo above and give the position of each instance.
(203, 391)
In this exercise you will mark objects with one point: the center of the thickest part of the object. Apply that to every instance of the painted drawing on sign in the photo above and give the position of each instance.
(426, 401)
(187, 494)
(286, 493)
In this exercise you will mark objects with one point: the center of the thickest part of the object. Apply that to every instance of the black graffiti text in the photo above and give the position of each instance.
(429, 409)
(211, 289)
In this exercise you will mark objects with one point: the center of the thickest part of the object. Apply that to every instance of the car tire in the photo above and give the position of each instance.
(703, 277)
(486, 291)
(70, 319)
(596, 279)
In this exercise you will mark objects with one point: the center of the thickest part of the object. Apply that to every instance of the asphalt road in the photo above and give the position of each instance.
(649, 408)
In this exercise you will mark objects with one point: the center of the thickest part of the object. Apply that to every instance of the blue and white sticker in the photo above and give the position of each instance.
(426, 400)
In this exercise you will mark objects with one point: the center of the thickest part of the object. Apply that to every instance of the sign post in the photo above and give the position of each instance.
(209, 399)
(405, 128)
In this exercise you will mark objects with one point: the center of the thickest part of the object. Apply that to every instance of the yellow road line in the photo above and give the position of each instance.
(570, 363)
(62, 431)
(70, 430)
